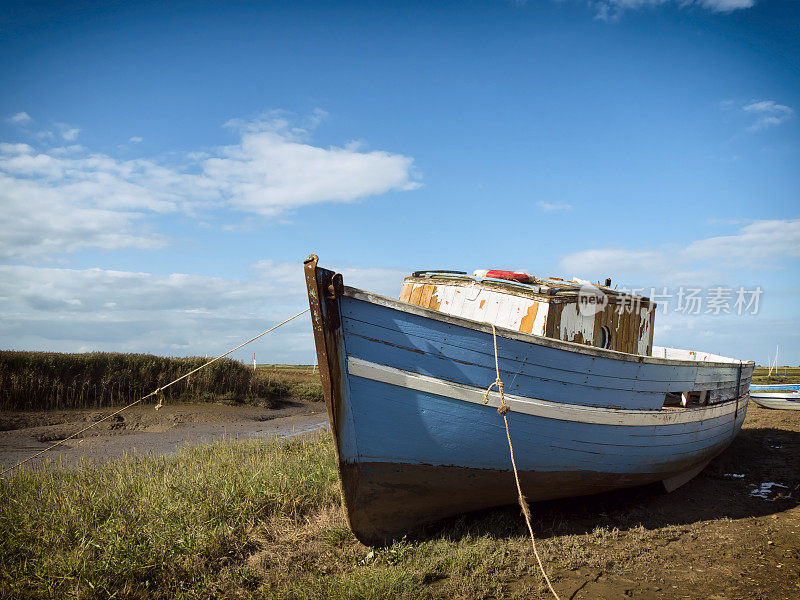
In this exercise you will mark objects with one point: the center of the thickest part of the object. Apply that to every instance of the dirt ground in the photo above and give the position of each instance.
(143, 430)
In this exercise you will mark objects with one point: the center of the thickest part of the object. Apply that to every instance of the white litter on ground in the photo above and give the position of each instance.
(735, 475)
(765, 489)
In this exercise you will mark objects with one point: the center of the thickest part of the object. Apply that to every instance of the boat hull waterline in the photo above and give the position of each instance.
(404, 388)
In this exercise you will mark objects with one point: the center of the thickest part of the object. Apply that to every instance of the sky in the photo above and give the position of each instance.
(166, 167)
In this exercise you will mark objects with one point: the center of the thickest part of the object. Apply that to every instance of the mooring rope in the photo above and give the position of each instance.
(503, 410)
(153, 393)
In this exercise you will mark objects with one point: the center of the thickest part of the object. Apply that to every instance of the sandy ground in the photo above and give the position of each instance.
(143, 430)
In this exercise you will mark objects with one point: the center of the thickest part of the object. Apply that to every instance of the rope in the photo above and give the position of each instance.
(503, 410)
(153, 393)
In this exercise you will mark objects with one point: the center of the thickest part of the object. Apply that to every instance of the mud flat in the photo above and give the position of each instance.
(144, 430)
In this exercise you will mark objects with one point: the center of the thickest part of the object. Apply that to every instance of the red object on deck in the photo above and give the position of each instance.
(512, 275)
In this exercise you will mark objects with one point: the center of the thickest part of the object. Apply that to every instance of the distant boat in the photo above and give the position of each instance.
(785, 397)
(774, 365)
(594, 406)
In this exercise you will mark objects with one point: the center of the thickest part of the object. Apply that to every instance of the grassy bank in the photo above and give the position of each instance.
(253, 519)
(49, 380)
(302, 380)
(262, 519)
(155, 527)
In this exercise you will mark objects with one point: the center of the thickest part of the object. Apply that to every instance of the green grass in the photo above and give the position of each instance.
(262, 519)
(242, 519)
(793, 375)
(302, 380)
(155, 527)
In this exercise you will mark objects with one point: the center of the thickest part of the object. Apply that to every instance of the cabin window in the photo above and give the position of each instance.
(603, 338)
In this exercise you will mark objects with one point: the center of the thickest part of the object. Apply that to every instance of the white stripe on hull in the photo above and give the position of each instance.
(539, 408)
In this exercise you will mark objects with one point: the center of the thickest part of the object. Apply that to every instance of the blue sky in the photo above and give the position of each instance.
(165, 167)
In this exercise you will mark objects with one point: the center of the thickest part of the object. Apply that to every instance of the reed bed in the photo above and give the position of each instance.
(786, 375)
(50, 380)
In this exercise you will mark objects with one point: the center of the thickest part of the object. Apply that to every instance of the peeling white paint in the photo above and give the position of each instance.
(489, 306)
(574, 323)
(644, 331)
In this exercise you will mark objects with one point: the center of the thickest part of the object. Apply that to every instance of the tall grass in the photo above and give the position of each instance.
(250, 519)
(155, 527)
(304, 383)
(50, 380)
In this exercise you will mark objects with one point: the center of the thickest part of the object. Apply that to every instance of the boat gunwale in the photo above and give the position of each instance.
(531, 338)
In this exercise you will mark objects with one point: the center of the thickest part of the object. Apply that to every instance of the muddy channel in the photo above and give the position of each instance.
(143, 430)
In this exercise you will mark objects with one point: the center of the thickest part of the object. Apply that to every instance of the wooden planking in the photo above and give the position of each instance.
(425, 297)
(441, 430)
(526, 377)
(406, 312)
(519, 312)
(527, 321)
(536, 372)
(577, 413)
(405, 292)
(472, 336)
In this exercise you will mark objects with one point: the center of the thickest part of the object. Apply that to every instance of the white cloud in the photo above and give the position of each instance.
(609, 10)
(768, 114)
(136, 139)
(551, 207)
(59, 200)
(68, 199)
(70, 134)
(727, 5)
(764, 244)
(759, 245)
(271, 171)
(95, 309)
(21, 118)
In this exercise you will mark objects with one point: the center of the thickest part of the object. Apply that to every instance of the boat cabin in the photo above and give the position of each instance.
(573, 311)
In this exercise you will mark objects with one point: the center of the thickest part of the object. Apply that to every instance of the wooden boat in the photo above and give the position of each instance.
(594, 406)
(784, 397)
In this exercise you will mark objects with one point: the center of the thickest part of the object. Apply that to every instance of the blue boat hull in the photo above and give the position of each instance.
(416, 443)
